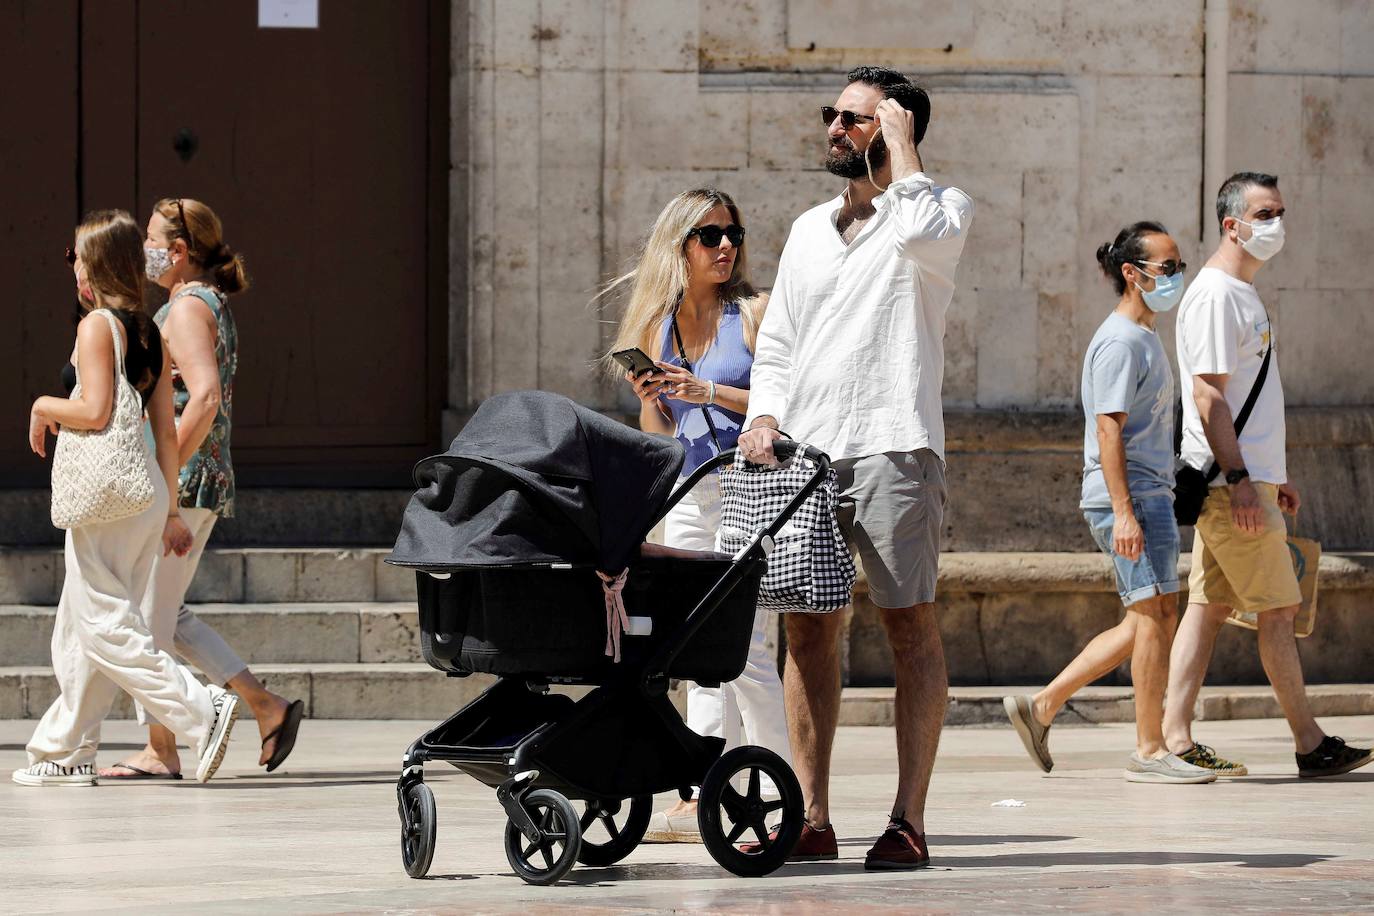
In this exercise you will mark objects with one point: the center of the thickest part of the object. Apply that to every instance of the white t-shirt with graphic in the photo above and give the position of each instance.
(1223, 329)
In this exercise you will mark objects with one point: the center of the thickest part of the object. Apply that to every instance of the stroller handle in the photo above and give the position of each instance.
(783, 449)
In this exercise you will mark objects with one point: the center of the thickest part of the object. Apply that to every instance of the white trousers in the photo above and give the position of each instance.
(101, 643)
(748, 710)
(175, 627)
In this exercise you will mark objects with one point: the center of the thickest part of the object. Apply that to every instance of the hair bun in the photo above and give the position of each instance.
(1104, 252)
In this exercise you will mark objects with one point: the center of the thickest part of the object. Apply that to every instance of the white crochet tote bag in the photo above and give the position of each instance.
(103, 475)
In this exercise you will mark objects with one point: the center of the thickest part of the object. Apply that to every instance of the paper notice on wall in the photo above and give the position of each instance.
(288, 14)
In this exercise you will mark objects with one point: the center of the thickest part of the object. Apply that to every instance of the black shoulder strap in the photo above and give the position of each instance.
(1248, 406)
(687, 364)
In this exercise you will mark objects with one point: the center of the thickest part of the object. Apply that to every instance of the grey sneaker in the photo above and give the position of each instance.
(226, 707)
(1166, 769)
(48, 773)
(1021, 712)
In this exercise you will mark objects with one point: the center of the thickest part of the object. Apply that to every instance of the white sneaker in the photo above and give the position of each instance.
(48, 773)
(1166, 769)
(226, 711)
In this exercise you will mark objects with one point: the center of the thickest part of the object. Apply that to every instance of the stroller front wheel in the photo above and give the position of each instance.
(419, 824)
(552, 854)
(768, 828)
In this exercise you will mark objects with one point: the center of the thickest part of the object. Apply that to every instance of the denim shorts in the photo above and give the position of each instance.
(1155, 572)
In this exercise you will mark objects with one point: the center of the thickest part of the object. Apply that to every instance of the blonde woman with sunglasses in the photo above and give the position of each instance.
(693, 312)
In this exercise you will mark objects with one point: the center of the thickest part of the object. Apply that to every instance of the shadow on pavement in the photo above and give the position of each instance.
(968, 840)
(1049, 859)
(607, 877)
(1285, 780)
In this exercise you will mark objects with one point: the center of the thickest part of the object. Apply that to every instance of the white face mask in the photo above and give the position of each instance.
(1266, 238)
(159, 262)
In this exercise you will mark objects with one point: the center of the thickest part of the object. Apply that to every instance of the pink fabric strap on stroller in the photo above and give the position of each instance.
(616, 618)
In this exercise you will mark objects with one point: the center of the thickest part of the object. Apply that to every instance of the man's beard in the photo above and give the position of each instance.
(848, 162)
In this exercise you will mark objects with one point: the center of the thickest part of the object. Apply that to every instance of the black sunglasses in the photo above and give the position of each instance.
(185, 227)
(710, 236)
(1166, 268)
(71, 258)
(847, 118)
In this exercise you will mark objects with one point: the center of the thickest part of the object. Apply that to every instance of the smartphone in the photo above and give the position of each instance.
(635, 361)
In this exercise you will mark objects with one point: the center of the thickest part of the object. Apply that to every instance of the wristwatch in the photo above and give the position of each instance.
(1235, 476)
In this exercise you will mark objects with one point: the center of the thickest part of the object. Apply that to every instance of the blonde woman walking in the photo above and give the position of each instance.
(693, 311)
(101, 643)
(187, 256)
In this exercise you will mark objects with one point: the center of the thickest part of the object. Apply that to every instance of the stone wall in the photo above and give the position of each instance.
(1065, 119)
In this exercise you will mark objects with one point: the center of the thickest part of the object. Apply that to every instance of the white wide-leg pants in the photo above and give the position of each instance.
(101, 643)
(175, 627)
(748, 710)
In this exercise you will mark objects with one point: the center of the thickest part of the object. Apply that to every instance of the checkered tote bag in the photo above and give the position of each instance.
(810, 569)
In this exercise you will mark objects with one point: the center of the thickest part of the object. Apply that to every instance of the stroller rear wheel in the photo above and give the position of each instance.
(419, 823)
(728, 817)
(622, 837)
(551, 856)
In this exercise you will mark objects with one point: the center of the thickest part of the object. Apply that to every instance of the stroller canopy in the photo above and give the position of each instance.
(533, 479)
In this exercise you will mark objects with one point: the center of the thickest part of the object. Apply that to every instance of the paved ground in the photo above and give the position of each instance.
(323, 836)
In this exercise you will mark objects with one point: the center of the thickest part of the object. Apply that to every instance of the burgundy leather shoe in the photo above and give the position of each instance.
(900, 848)
(816, 844)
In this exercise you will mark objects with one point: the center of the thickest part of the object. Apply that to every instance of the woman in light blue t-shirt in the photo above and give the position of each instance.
(693, 311)
(1127, 500)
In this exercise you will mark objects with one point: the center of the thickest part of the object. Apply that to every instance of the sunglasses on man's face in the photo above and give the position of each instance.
(847, 118)
(710, 236)
(1166, 268)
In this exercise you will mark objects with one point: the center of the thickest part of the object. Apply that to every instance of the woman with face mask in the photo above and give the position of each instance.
(101, 641)
(187, 256)
(1127, 501)
(693, 311)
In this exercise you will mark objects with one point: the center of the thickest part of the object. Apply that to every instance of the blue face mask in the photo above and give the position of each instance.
(1168, 290)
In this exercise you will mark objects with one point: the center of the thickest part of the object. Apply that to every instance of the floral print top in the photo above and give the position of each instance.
(207, 479)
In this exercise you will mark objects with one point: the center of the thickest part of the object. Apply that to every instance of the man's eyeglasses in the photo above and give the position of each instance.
(710, 236)
(1166, 268)
(847, 118)
(71, 258)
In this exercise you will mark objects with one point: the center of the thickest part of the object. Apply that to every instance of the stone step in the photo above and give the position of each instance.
(252, 575)
(271, 633)
(416, 691)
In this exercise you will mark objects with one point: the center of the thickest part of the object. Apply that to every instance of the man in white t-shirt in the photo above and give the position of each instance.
(850, 358)
(1241, 560)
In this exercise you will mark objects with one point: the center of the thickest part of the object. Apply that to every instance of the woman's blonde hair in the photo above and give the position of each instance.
(659, 277)
(110, 246)
(204, 235)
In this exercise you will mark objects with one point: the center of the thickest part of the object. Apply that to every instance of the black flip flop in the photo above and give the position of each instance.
(138, 774)
(285, 734)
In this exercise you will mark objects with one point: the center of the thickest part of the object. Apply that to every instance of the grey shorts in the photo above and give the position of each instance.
(892, 507)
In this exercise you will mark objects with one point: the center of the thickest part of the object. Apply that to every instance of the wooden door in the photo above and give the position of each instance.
(39, 144)
(325, 153)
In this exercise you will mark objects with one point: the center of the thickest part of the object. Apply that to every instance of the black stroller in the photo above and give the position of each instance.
(506, 531)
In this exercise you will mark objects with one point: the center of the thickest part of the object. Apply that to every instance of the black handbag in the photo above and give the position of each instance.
(1191, 485)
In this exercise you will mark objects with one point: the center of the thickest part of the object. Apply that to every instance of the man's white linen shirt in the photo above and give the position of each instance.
(850, 354)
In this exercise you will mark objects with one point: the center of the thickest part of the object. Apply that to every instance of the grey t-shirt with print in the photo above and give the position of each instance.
(1127, 371)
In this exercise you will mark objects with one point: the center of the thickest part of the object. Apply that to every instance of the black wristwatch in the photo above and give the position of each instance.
(1235, 476)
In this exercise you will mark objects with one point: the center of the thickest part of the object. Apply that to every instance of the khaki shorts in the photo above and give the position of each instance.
(1242, 571)
(891, 510)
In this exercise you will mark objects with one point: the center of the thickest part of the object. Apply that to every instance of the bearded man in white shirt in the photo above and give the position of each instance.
(850, 359)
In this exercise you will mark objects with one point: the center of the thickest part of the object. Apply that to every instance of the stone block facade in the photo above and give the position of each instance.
(1064, 119)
